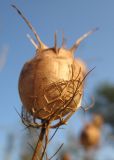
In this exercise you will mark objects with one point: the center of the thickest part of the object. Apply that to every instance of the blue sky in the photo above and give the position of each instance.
(74, 18)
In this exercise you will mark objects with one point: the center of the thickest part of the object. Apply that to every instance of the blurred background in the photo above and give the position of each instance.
(74, 18)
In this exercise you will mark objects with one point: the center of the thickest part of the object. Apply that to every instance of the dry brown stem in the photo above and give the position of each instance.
(38, 149)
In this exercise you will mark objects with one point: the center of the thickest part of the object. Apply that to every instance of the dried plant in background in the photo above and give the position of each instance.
(91, 133)
(50, 87)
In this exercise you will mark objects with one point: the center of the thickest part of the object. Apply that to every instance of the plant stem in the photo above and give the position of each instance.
(38, 150)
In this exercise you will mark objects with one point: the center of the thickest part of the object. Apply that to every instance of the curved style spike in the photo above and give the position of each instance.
(75, 46)
(55, 42)
(41, 44)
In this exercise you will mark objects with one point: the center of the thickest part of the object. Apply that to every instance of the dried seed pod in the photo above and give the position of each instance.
(90, 136)
(51, 84)
(48, 81)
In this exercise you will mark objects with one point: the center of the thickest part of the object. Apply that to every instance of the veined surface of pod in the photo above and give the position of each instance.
(48, 82)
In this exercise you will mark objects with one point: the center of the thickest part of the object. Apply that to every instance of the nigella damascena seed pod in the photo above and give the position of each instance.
(51, 84)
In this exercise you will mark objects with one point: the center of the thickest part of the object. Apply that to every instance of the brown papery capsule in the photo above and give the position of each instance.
(51, 84)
